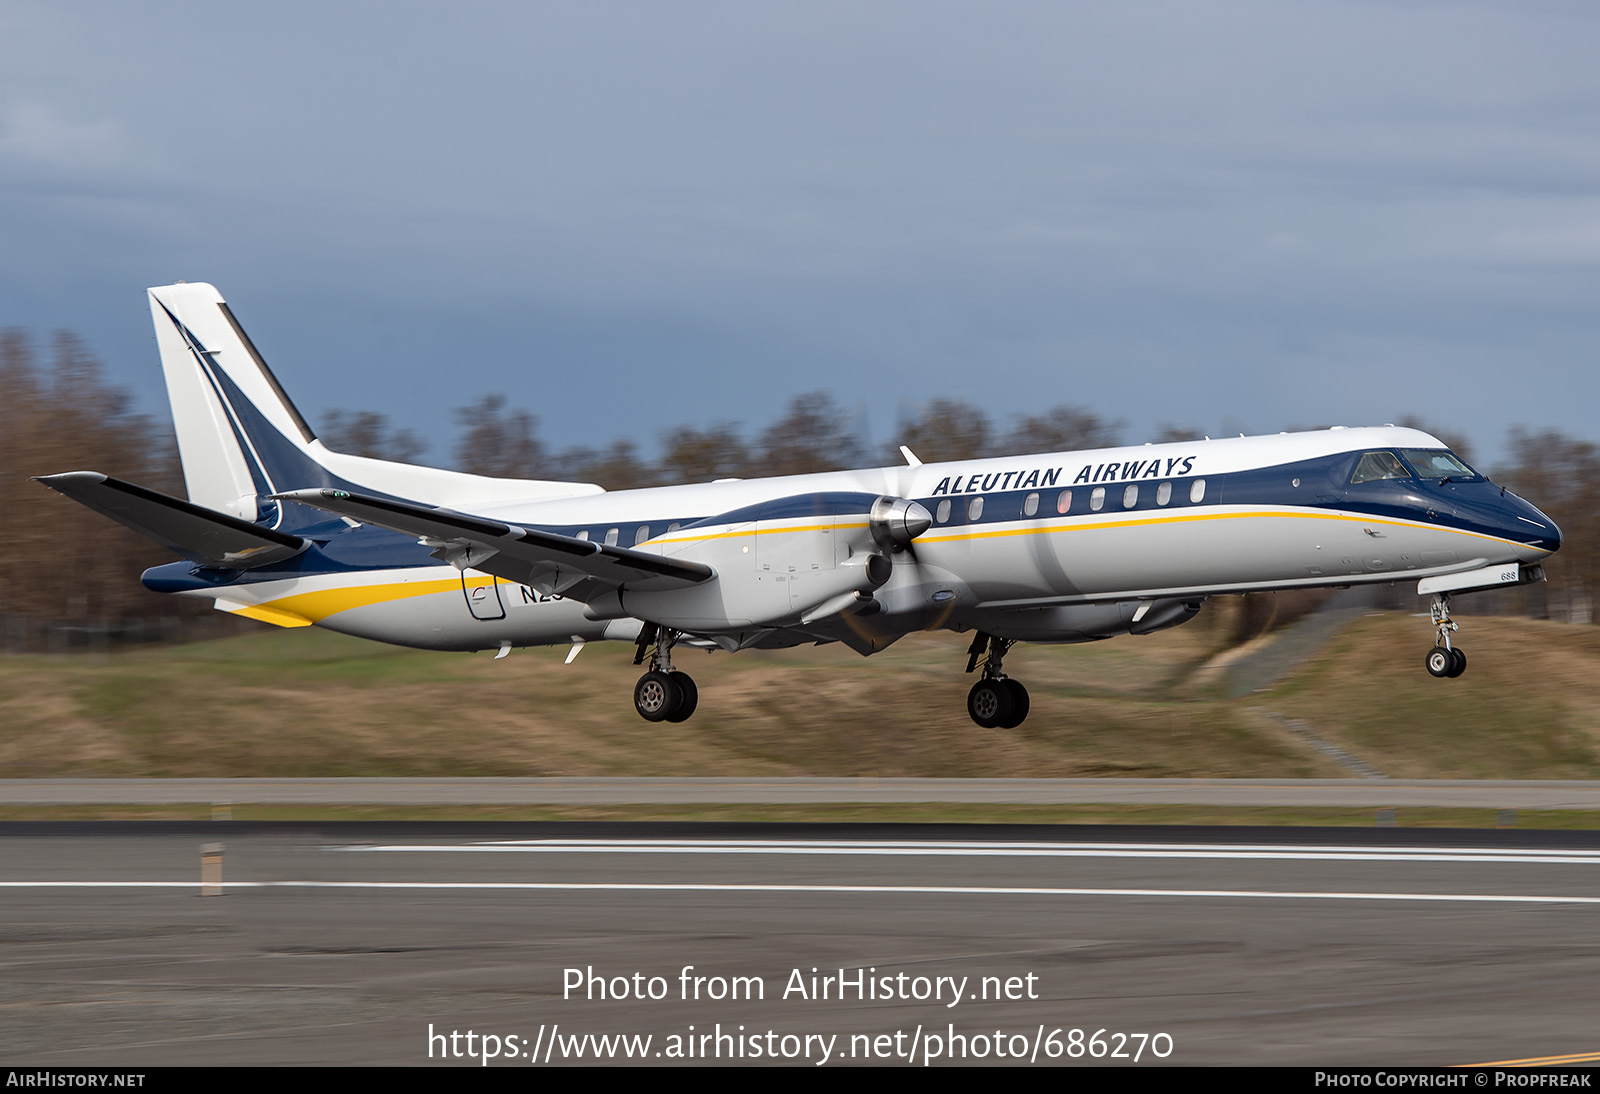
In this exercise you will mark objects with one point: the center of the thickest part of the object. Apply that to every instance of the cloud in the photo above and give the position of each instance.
(38, 137)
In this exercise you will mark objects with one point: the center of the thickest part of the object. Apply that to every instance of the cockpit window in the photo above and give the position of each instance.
(1437, 463)
(1379, 465)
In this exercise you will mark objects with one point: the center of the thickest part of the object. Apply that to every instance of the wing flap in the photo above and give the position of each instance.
(526, 555)
(190, 530)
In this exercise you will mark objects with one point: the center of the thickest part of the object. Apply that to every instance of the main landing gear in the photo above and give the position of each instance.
(663, 694)
(1444, 659)
(996, 700)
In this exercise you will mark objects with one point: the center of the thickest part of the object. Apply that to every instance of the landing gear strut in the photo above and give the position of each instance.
(663, 694)
(1444, 659)
(996, 700)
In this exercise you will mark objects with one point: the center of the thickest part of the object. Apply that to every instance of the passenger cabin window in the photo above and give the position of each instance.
(975, 509)
(1097, 499)
(1064, 501)
(1378, 465)
(1130, 497)
(1197, 491)
(1163, 493)
(1030, 505)
(641, 535)
(942, 514)
(584, 534)
(611, 537)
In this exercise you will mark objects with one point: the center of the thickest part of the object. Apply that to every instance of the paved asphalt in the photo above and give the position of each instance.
(348, 943)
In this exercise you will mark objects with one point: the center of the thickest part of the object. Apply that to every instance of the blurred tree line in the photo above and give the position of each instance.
(61, 564)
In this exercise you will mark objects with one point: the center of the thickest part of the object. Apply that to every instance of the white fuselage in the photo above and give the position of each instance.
(1061, 546)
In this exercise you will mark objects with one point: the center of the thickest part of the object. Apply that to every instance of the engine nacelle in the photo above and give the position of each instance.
(798, 558)
(1084, 622)
(761, 600)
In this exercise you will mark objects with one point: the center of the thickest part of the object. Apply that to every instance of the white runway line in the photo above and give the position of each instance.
(915, 849)
(943, 890)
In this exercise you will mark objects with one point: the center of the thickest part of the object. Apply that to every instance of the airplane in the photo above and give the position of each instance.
(1061, 547)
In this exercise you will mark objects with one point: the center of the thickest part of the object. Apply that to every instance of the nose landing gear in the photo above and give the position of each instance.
(995, 701)
(663, 694)
(1444, 659)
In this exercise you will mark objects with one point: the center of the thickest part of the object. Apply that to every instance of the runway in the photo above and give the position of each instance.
(348, 943)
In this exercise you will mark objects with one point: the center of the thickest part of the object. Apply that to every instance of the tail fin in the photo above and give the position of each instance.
(241, 439)
(238, 433)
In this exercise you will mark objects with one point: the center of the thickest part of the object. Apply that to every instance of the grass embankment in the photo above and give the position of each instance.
(307, 703)
(1528, 706)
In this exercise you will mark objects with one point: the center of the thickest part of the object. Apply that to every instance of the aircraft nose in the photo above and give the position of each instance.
(1553, 540)
(1532, 527)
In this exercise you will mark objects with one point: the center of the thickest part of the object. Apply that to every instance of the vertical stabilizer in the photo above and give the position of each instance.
(239, 436)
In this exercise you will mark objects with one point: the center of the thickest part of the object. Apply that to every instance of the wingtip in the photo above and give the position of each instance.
(69, 478)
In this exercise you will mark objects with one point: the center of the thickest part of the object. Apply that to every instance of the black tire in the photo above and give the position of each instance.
(1019, 704)
(990, 703)
(1439, 661)
(688, 697)
(656, 696)
(1459, 657)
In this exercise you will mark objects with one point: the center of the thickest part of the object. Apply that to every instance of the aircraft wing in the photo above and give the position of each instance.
(578, 568)
(182, 527)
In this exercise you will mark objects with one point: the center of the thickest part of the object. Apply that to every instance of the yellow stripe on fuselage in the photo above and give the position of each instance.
(303, 609)
(750, 532)
(275, 616)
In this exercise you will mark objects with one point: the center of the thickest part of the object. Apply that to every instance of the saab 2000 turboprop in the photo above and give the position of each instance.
(1063, 547)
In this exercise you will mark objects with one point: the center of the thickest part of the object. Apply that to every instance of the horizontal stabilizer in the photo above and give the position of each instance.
(579, 568)
(182, 527)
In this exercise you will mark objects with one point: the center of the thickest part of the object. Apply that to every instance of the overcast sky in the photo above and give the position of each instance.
(1233, 215)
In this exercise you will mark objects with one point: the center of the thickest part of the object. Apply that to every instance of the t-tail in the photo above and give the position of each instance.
(242, 441)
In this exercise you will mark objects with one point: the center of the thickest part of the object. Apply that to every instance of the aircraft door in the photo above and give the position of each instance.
(483, 597)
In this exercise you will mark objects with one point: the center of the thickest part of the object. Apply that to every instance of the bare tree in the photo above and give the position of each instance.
(1063, 429)
(499, 442)
(1561, 475)
(946, 430)
(701, 455)
(616, 467)
(813, 435)
(368, 433)
(67, 418)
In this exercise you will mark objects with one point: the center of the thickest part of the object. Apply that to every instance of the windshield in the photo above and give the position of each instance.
(1437, 463)
(1379, 465)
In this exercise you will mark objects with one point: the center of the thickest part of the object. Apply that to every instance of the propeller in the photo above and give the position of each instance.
(896, 522)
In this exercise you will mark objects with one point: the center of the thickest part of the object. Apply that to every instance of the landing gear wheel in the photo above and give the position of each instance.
(990, 703)
(1444, 659)
(1019, 703)
(688, 697)
(656, 696)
